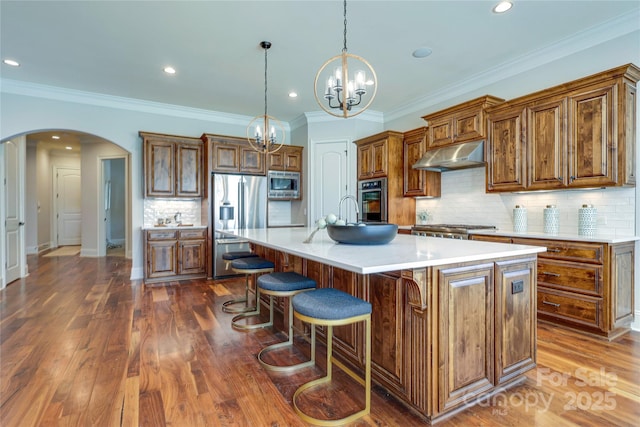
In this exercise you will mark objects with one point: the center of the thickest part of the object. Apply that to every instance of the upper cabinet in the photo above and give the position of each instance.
(287, 158)
(418, 182)
(234, 155)
(577, 135)
(172, 165)
(460, 123)
(373, 154)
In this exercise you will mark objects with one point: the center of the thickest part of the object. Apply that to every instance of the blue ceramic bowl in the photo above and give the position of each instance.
(367, 234)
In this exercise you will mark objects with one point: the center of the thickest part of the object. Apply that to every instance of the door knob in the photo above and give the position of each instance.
(21, 224)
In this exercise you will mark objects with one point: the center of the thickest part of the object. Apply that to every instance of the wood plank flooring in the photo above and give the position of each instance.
(82, 345)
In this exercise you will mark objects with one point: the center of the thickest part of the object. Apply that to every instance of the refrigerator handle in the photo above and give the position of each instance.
(241, 202)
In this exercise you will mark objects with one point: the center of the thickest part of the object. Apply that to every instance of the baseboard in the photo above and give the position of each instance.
(32, 250)
(44, 246)
(89, 253)
(635, 325)
(137, 273)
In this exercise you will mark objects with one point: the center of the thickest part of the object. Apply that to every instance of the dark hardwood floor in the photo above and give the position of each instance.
(82, 345)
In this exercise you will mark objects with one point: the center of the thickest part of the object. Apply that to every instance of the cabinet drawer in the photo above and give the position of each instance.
(192, 234)
(581, 309)
(161, 234)
(568, 251)
(584, 278)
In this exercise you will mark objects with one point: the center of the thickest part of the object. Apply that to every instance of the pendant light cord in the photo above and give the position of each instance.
(344, 49)
(265, 83)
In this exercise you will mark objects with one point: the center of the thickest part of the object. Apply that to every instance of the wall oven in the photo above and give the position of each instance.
(372, 200)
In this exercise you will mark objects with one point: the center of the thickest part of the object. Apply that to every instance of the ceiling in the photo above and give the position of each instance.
(119, 48)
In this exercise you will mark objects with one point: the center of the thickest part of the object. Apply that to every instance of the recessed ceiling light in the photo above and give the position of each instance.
(55, 137)
(11, 62)
(68, 148)
(169, 70)
(422, 52)
(502, 7)
(293, 94)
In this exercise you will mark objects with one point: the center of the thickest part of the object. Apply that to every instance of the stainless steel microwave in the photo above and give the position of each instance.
(283, 185)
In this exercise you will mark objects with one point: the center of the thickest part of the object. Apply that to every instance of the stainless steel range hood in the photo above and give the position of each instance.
(460, 156)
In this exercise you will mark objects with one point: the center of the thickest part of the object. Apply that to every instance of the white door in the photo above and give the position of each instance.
(68, 206)
(13, 211)
(329, 178)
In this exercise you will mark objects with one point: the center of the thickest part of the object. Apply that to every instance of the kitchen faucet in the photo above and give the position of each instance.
(355, 205)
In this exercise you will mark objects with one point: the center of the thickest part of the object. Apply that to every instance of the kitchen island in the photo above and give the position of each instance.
(452, 321)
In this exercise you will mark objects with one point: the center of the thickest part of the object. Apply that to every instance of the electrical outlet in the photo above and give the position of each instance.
(517, 286)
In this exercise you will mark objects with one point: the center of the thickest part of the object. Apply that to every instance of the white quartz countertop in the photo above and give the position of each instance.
(172, 227)
(403, 252)
(597, 238)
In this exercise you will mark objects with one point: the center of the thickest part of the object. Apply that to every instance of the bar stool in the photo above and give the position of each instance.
(284, 284)
(227, 306)
(251, 266)
(331, 307)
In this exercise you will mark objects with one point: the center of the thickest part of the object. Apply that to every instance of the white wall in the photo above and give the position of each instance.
(31, 202)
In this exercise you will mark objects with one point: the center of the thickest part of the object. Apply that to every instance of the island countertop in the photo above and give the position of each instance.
(402, 253)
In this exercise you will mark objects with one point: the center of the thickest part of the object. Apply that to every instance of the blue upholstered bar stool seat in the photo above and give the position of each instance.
(331, 307)
(228, 306)
(250, 266)
(286, 285)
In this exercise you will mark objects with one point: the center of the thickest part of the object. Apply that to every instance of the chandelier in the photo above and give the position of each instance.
(265, 133)
(348, 83)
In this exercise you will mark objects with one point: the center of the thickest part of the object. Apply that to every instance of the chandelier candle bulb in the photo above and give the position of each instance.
(520, 219)
(551, 220)
(587, 216)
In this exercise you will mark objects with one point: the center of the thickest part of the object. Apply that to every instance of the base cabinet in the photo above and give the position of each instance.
(174, 254)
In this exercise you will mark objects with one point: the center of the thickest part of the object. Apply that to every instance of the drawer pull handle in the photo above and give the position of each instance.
(551, 303)
(547, 273)
(553, 250)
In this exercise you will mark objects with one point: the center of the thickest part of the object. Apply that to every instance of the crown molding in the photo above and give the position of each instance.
(610, 30)
(321, 117)
(18, 87)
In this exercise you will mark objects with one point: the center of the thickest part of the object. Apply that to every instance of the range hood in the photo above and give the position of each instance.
(459, 156)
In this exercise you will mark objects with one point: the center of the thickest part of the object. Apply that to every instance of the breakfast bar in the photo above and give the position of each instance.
(452, 321)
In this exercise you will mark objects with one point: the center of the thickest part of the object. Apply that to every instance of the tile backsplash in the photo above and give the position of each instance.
(464, 201)
(165, 208)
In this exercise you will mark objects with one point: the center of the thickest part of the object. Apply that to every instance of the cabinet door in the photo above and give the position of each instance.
(276, 161)
(189, 170)
(467, 126)
(379, 158)
(547, 145)
(414, 147)
(515, 318)
(293, 159)
(621, 286)
(160, 169)
(191, 256)
(592, 142)
(252, 161)
(506, 163)
(440, 132)
(465, 340)
(348, 339)
(162, 258)
(386, 295)
(226, 158)
(365, 161)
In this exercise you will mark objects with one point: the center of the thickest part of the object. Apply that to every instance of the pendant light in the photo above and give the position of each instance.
(265, 133)
(346, 84)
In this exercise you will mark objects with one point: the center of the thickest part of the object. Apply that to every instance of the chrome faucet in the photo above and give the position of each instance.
(355, 205)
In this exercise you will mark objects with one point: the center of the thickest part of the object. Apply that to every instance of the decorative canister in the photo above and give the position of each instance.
(587, 220)
(551, 220)
(520, 219)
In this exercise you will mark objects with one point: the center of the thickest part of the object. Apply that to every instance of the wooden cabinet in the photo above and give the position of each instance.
(382, 156)
(174, 254)
(586, 286)
(234, 155)
(172, 166)
(418, 182)
(466, 334)
(460, 123)
(287, 158)
(577, 135)
(373, 158)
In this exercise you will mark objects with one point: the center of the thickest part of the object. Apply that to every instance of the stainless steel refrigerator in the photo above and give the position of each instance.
(240, 202)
